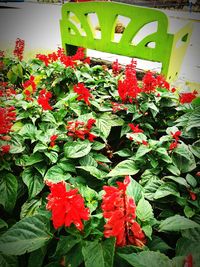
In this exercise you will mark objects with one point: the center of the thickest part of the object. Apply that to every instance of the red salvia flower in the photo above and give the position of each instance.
(149, 82)
(80, 54)
(53, 139)
(19, 48)
(83, 93)
(161, 82)
(193, 196)
(188, 261)
(5, 149)
(29, 88)
(187, 97)
(67, 207)
(7, 117)
(136, 128)
(90, 123)
(43, 99)
(43, 58)
(173, 145)
(119, 210)
(176, 135)
(128, 88)
(116, 67)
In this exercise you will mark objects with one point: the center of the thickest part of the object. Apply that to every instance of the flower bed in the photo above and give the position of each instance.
(97, 167)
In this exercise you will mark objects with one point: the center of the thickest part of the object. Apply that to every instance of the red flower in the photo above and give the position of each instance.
(116, 67)
(119, 210)
(80, 54)
(43, 99)
(90, 123)
(187, 97)
(53, 139)
(43, 58)
(117, 107)
(188, 261)
(134, 128)
(193, 196)
(7, 117)
(5, 149)
(29, 87)
(173, 145)
(19, 48)
(149, 82)
(67, 207)
(176, 135)
(83, 93)
(145, 143)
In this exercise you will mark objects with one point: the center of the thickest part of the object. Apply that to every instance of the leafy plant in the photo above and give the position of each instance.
(97, 168)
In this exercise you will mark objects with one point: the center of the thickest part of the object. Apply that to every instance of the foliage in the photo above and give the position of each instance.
(97, 168)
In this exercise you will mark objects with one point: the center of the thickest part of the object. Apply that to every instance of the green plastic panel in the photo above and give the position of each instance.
(78, 29)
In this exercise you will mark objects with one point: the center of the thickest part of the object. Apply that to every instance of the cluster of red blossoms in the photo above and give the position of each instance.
(152, 82)
(6, 90)
(19, 48)
(187, 97)
(67, 207)
(175, 136)
(83, 93)
(43, 99)
(7, 117)
(120, 212)
(79, 129)
(68, 61)
(53, 139)
(116, 67)
(29, 88)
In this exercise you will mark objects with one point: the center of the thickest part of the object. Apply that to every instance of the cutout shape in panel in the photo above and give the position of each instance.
(151, 45)
(146, 30)
(76, 22)
(120, 25)
(182, 40)
(93, 22)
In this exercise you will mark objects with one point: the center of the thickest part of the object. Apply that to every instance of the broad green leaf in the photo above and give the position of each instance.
(97, 145)
(94, 171)
(8, 260)
(188, 211)
(166, 189)
(52, 155)
(144, 210)
(101, 157)
(158, 244)
(183, 158)
(147, 258)
(33, 180)
(56, 174)
(185, 246)
(178, 180)
(191, 180)
(77, 149)
(28, 131)
(66, 165)
(88, 160)
(195, 148)
(151, 187)
(162, 153)
(36, 257)
(40, 147)
(11, 76)
(8, 190)
(64, 245)
(173, 169)
(17, 145)
(123, 152)
(25, 236)
(17, 69)
(177, 223)
(74, 257)
(135, 190)
(26, 160)
(142, 150)
(30, 208)
(99, 254)
(126, 167)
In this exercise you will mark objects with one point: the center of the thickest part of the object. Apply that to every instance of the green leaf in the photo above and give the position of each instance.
(101, 157)
(178, 180)
(162, 153)
(189, 212)
(166, 189)
(28, 131)
(88, 160)
(65, 244)
(56, 174)
(8, 260)
(8, 190)
(126, 167)
(77, 149)
(36, 257)
(142, 150)
(123, 152)
(26, 160)
(25, 236)
(94, 171)
(195, 148)
(33, 180)
(16, 145)
(147, 258)
(193, 234)
(135, 190)
(74, 257)
(185, 246)
(191, 180)
(97, 145)
(102, 253)
(144, 210)
(183, 158)
(173, 169)
(177, 223)
(11, 76)
(158, 244)
(3, 224)
(30, 208)
(52, 155)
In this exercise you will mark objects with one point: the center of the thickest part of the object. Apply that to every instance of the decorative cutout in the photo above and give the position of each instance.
(182, 40)
(93, 22)
(76, 22)
(120, 25)
(146, 30)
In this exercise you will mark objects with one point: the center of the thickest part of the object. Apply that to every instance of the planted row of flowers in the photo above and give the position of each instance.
(98, 168)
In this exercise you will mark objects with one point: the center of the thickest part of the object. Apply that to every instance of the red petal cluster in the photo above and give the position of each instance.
(118, 107)
(116, 67)
(29, 88)
(136, 128)
(53, 139)
(67, 207)
(78, 129)
(19, 48)
(119, 210)
(83, 92)
(43, 99)
(152, 82)
(187, 97)
(176, 136)
(6, 90)
(128, 88)
(7, 117)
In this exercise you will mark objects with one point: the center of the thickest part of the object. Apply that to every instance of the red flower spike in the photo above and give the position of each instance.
(187, 97)
(19, 48)
(43, 99)
(193, 196)
(83, 93)
(176, 135)
(173, 145)
(116, 67)
(67, 207)
(188, 261)
(5, 149)
(119, 210)
(7, 117)
(53, 139)
(136, 128)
